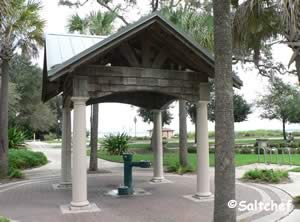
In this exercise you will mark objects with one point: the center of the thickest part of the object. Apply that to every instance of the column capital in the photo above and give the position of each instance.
(200, 102)
(66, 108)
(79, 100)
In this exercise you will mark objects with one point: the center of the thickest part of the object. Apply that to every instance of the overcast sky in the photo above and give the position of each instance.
(119, 117)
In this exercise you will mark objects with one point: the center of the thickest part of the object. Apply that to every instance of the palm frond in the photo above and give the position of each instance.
(291, 18)
(22, 28)
(199, 26)
(95, 23)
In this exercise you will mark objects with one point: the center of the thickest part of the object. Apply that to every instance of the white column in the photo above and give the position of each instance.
(158, 171)
(203, 179)
(66, 148)
(79, 170)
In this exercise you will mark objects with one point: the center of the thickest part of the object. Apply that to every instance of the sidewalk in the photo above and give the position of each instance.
(36, 200)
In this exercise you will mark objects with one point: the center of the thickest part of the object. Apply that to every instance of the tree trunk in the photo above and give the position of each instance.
(183, 149)
(94, 138)
(224, 128)
(298, 67)
(4, 119)
(283, 129)
(91, 125)
(195, 132)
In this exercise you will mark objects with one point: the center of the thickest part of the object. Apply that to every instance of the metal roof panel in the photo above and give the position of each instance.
(62, 47)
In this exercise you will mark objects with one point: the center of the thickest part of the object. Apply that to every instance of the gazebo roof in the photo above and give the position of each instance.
(63, 47)
(64, 53)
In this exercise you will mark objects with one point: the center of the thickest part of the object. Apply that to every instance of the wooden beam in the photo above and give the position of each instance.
(128, 52)
(160, 59)
(80, 86)
(146, 50)
(119, 71)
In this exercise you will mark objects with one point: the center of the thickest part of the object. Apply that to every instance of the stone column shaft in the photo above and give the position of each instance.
(158, 170)
(79, 170)
(66, 148)
(203, 179)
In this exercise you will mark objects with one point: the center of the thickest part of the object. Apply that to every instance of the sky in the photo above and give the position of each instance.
(114, 117)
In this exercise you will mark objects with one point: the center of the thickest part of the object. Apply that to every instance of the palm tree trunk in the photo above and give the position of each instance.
(195, 132)
(94, 138)
(4, 119)
(224, 128)
(183, 150)
(283, 129)
(298, 67)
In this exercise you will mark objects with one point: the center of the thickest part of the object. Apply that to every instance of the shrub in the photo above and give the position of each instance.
(116, 144)
(245, 150)
(50, 136)
(296, 202)
(15, 173)
(3, 219)
(269, 176)
(180, 169)
(23, 159)
(16, 138)
(192, 149)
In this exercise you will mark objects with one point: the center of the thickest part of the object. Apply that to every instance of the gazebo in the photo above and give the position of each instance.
(147, 64)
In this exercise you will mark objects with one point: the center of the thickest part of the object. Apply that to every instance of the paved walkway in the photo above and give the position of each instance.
(35, 200)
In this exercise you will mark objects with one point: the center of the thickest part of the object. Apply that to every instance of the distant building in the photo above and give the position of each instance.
(166, 133)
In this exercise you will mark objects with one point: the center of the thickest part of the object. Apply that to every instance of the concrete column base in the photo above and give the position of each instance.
(89, 208)
(198, 198)
(159, 180)
(62, 186)
(202, 195)
(79, 204)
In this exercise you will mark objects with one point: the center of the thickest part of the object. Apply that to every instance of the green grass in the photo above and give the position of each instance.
(139, 145)
(3, 219)
(296, 170)
(171, 158)
(268, 176)
(174, 143)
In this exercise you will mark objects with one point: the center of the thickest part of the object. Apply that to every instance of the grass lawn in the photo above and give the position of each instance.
(145, 144)
(171, 158)
(296, 170)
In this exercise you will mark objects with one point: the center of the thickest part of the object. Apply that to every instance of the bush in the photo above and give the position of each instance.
(3, 219)
(116, 144)
(15, 173)
(296, 202)
(180, 169)
(16, 138)
(23, 159)
(269, 176)
(245, 150)
(192, 149)
(50, 136)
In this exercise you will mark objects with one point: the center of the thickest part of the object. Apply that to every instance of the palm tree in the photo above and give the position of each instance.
(224, 151)
(259, 20)
(183, 146)
(96, 23)
(291, 21)
(21, 29)
(255, 21)
(200, 27)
